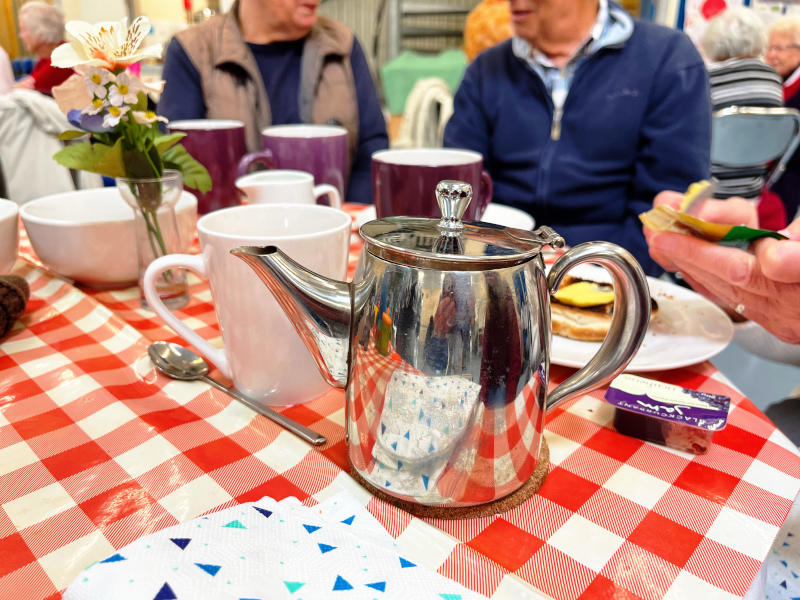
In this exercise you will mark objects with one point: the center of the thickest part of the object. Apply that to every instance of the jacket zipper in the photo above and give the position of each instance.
(557, 106)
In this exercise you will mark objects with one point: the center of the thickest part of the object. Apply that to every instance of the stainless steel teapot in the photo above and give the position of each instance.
(442, 342)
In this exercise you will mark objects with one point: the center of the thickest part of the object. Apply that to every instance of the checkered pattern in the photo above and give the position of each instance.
(97, 449)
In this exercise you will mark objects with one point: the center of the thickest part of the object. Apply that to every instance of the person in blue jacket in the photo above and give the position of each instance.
(584, 116)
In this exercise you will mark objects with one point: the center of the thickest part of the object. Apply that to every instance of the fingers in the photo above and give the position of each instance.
(698, 256)
(735, 211)
(670, 198)
(793, 230)
(779, 260)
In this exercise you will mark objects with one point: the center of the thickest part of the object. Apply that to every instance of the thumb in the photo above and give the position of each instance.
(793, 230)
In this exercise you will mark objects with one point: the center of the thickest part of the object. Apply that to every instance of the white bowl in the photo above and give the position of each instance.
(89, 235)
(9, 234)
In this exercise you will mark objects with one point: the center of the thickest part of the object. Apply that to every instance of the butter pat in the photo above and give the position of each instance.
(667, 414)
(585, 293)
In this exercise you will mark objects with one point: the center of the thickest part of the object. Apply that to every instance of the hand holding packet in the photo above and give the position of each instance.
(666, 218)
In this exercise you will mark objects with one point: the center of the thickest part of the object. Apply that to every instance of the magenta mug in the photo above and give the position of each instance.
(404, 181)
(217, 144)
(321, 150)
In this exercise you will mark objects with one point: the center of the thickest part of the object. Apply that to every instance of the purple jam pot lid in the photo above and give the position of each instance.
(669, 402)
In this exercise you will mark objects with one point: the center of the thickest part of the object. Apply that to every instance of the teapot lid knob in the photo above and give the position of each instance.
(453, 198)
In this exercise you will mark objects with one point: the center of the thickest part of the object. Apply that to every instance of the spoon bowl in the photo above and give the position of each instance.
(178, 362)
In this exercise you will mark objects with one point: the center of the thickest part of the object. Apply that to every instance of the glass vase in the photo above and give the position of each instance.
(153, 202)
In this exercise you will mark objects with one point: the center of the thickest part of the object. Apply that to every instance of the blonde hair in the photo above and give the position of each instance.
(734, 33)
(44, 21)
(788, 24)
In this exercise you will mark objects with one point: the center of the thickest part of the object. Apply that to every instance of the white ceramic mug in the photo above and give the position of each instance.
(263, 354)
(285, 186)
(319, 149)
(9, 235)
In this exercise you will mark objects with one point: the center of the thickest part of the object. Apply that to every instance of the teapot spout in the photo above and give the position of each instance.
(319, 308)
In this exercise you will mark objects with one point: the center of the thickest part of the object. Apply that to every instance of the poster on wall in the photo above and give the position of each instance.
(698, 12)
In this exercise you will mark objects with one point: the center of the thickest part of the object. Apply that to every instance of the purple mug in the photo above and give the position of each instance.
(218, 144)
(321, 150)
(404, 181)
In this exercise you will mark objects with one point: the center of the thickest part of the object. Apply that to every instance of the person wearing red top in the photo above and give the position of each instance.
(783, 54)
(41, 29)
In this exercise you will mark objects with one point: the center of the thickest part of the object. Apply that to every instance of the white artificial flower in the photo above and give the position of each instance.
(114, 114)
(111, 45)
(96, 81)
(97, 105)
(147, 117)
(124, 90)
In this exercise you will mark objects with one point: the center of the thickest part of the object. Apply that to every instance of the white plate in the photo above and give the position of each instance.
(497, 214)
(687, 329)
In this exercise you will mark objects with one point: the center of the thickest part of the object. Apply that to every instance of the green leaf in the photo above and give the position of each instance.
(141, 164)
(141, 102)
(97, 158)
(110, 163)
(195, 175)
(71, 134)
(165, 141)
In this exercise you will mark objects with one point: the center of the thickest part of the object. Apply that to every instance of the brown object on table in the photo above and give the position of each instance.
(14, 294)
(501, 505)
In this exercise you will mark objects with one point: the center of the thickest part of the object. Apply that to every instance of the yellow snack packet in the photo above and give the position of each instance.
(666, 218)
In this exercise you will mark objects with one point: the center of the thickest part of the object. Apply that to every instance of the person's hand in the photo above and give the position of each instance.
(26, 83)
(733, 211)
(763, 285)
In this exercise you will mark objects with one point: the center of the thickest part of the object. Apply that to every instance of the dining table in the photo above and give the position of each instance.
(98, 449)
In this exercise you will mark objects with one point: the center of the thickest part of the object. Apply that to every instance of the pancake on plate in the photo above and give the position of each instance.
(581, 309)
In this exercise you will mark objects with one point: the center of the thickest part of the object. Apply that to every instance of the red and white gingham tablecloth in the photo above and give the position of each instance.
(97, 449)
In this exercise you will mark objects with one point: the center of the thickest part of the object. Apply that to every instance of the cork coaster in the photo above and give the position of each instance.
(501, 505)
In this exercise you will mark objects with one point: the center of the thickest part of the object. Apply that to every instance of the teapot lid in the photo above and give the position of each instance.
(451, 243)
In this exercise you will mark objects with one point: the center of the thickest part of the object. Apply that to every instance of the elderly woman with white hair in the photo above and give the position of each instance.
(41, 29)
(734, 44)
(783, 53)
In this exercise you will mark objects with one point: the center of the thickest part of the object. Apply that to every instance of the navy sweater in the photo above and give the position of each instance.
(637, 121)
(279, 64)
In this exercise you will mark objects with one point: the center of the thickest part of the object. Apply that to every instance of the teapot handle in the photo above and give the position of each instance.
(628, 324)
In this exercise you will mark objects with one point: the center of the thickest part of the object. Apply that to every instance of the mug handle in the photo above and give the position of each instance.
(487, 188)
(196, 264)
(334, 198)
(628, 324)
(265, 157)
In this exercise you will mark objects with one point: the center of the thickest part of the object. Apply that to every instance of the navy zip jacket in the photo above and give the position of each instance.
(636, 121)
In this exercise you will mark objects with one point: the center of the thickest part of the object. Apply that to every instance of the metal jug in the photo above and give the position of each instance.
(442, 342)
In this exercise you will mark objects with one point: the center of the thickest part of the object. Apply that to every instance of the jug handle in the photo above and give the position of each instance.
(628, 324)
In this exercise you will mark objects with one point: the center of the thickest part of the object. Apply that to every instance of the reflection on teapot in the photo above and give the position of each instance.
(442, 343)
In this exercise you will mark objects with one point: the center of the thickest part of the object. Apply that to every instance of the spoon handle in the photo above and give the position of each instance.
(309, 435)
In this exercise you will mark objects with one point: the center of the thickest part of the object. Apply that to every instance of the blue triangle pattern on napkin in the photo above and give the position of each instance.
(404, 564)
(341, 584)
(210, 569)
(326, 548)
(114, 558)
(451, 596)
(165, 593)
(264, 511)
(378, 585)
(181, 542)
(293, 586)
(235, 525)
(348, 520)
(311, 528)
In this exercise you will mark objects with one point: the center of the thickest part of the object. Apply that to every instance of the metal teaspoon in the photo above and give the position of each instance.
(181, 363)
